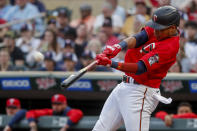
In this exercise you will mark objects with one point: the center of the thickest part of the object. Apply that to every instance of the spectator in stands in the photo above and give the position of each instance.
(159, 3)
(63, 17)
(86, 18)
(181, 57)
(70, 60)
(3, 30)
(87, 58)
(51, 24)
(107, 11)
(4, 8)
(5, 63)
(16, 55)
(49, 62)
(191, 9)
(184, 111)
(81, 40)
(95, 46)
(12, 2)
(191, 44)
(39, 5)
(107, 29)
(69, 46)
(70, 33)
(183, 20)
(117, 10)
(60, 108)
(49, 43)
(28, 44)
(102, 37)
(135, 22)
(24, 10)
(175, 68)
(13, 108)
(65, 31)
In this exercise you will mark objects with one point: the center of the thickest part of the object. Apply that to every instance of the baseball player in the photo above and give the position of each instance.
(150, 54)
(59, 108)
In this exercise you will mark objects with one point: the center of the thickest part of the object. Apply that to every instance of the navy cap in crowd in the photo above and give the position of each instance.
(25, 27)
(70, 56)
(85, 7)
(107, 22)
(63, 12)
(69, 32)
(51, 21)
(70, 43)
(48, 56)
(88, 54)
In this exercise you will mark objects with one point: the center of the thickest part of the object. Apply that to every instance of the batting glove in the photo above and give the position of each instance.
(112, 51)
(103, 60)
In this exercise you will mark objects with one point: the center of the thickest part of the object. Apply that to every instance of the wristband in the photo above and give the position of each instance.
(123, 44)
(116, 65)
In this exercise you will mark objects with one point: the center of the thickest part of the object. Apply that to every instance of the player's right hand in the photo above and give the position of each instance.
(112, 51)
(33, 126)
(168, 120)
(103, 60)
(7, 128)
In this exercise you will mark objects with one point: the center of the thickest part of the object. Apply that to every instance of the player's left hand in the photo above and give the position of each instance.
(112, 51)
(103, 60)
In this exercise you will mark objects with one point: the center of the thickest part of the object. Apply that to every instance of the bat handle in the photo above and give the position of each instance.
(91, 65)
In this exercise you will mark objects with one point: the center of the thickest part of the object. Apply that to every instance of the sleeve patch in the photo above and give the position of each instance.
(153, 59)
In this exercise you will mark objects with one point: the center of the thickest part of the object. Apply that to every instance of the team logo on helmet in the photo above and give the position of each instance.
(56, 97)
(11, 101)
(155, 18)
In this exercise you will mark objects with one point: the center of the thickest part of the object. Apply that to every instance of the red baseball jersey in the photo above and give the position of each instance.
(158, 57)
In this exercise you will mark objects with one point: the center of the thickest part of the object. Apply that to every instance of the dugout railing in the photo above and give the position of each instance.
(86, 124)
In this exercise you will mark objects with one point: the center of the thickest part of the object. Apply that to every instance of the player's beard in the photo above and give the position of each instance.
(58, 113)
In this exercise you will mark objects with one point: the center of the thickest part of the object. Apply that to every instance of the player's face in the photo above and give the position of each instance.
(10, 111)
(165, 33)
(58, 107)
(184, 109)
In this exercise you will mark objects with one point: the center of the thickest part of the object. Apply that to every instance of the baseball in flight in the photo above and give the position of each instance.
(38, 56)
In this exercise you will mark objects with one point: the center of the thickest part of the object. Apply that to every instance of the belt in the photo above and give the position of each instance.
(127, 79)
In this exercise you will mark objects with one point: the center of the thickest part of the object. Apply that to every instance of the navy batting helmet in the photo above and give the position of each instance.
(164, 17)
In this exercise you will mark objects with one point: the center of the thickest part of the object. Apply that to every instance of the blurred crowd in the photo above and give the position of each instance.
(71, 44)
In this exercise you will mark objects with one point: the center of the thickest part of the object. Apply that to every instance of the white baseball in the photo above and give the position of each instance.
(38, 57)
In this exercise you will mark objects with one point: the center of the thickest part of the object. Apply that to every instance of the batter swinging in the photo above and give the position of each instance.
(150, 54)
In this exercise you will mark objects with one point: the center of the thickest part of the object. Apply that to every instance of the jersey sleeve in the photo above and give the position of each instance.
(149, 31)
(17, 117)
(32, 115)
(159, 58)
(74, 116)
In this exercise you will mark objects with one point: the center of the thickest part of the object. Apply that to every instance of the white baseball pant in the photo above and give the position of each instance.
(129, 103)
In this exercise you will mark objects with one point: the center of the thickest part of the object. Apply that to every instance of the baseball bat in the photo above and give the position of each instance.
(74, 77)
